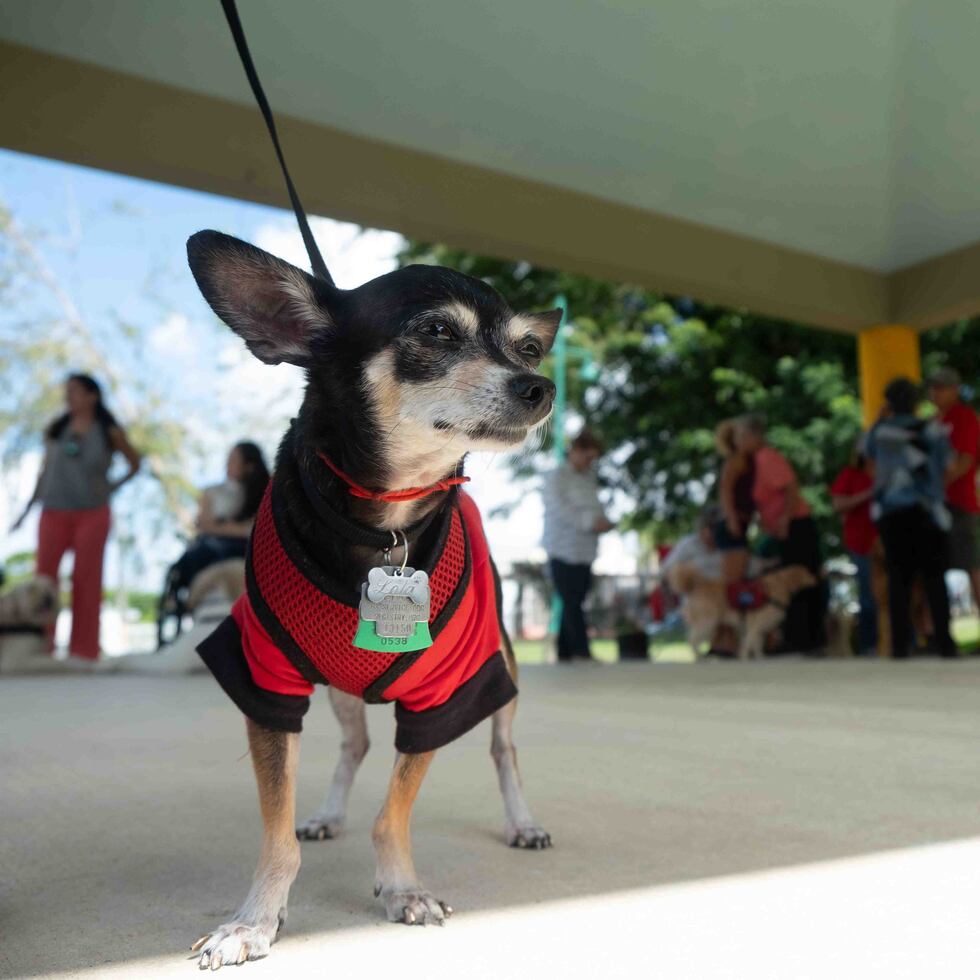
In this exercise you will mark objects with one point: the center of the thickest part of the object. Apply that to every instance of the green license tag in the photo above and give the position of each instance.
(367, 638)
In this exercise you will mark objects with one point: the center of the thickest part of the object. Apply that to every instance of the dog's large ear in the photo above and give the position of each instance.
(545, 326)
(274, 307)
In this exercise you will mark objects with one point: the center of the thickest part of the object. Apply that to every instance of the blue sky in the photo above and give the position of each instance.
(132, 229)
(117, 246)
(129, 228)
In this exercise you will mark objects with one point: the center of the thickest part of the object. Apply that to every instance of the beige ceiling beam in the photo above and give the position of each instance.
(60, 108)
(937, 291)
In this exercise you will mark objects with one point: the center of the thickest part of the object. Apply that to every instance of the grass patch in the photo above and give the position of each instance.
(540, 651)
(966, 632)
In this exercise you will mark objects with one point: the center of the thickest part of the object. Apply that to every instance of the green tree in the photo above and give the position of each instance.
(181, 424)
(666, 386)
(18, 567)
(43, 337)
(672, 369)
(40, 347)
(958, 346)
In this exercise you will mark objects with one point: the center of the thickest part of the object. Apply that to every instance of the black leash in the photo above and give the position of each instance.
(317, 264)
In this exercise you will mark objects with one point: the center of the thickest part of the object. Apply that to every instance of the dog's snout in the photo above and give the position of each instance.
(534, 390)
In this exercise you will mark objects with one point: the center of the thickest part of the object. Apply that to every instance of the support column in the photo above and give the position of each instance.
(885, 353)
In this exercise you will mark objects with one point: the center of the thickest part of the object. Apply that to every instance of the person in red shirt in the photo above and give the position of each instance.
(851, 494)
(963, 428)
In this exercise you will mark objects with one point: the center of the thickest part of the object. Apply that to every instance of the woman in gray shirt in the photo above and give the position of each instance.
(74, 490)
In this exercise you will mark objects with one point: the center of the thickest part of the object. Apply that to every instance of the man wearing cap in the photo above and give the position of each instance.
(963, 428)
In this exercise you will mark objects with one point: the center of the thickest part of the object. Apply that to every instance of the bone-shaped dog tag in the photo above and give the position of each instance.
(393, 614)
(389, 581)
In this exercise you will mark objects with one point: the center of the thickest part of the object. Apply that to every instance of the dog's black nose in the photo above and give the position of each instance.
(532, 389)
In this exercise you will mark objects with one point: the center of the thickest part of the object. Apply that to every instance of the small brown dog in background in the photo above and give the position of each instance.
(25, 611)
(706, 606)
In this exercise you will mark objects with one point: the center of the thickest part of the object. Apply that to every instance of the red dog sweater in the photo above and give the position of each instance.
(294, 628)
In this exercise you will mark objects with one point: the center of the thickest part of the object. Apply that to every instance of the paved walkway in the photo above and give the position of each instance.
(785, 820)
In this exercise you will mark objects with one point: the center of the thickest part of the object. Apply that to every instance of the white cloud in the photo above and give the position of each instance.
(245, 378)
(353, 255)
(173, 335)
(17, 483)
(256, 400)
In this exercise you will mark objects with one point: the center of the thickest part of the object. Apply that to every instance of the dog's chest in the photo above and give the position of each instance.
(319, 623)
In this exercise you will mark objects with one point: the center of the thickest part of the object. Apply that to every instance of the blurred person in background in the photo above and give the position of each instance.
(850, 495)
(697, 548)
(573, 520)
(74, 490)
(911, 457)
(785, 515)
(735, 482)
(226, 513)
(700, 550)
(963, 430)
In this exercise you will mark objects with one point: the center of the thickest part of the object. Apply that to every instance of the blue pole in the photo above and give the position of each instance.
(561, 381)
(560, 349)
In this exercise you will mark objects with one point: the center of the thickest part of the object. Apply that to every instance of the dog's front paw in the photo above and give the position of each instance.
(233, 944)
(320, 828)
(530, 838)
(414, 906)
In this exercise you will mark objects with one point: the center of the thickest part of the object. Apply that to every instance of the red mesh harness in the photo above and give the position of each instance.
(295, 633)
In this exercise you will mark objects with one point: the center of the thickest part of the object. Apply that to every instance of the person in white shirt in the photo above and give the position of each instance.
(697, 549)
(573, 521)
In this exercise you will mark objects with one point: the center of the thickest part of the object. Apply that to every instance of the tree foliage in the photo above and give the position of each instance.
(44, 337)
(665, 387)
(672, 369)
(956, 345)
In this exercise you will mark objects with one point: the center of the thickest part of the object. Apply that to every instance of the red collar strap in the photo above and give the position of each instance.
(392, 496)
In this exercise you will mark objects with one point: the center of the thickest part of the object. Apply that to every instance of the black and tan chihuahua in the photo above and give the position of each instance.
(405, 375)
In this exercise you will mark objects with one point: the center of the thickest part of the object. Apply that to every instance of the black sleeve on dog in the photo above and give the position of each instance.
(222, 653)
(488, 690)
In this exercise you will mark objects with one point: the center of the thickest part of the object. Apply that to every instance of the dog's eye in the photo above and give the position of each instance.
(438, 330)
(531, 350)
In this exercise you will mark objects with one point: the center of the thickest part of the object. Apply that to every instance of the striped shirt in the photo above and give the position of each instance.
(571, 509)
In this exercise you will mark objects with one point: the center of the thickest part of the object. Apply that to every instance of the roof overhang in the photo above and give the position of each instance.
(86, 114)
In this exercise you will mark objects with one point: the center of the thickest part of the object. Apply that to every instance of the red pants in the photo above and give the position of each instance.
(84, 532)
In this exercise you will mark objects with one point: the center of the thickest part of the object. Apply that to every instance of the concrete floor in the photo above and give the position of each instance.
(714, 820)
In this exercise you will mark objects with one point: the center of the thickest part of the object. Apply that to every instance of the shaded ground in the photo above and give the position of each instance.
(129, 823)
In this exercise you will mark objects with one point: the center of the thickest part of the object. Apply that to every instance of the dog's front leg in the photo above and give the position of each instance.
(252, 931)
(329, 820)
(520, 828)
(396, 881)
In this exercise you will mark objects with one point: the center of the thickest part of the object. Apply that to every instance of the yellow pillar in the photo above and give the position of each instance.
(885, 353)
